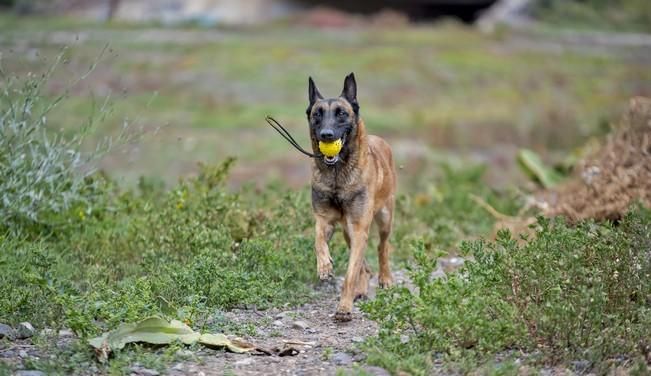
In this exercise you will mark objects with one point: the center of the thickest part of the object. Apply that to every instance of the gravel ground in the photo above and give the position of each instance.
(323, 345)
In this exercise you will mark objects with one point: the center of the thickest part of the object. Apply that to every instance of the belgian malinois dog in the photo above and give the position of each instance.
(352, 188)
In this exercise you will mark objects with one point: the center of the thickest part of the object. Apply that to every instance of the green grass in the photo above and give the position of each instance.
(625, 15)
(445, 85)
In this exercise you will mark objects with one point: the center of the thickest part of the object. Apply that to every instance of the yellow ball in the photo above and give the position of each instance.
(330, 149)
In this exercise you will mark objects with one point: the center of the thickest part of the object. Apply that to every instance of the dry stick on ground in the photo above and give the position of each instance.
(298, 342)
(515, 224)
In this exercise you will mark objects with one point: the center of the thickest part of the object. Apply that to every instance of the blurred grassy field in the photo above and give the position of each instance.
(625, 15)
(439, 92)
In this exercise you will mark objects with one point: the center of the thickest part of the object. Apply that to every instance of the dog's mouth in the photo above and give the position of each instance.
(332, 160)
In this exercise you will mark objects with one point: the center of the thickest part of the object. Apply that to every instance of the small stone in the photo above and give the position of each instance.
(312, 330)
(342, 359)
(278, 323)
(404, 339)
(581, 366)
(178, 367)
(7, 331)
(452, 263)
(183, 353)
(66, 333)
(282, 315)
(244, 362)
(438, 273)
(29, 373)
(359, 358)
(357, 339)
(300, 325)
(25, 330)
(23, 354)
(376, 371)
(192, 368)
(141, 371)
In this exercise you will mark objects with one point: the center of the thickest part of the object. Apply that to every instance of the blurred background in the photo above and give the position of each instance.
(447, 82)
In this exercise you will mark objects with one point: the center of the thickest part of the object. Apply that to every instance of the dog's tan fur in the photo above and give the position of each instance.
(354, 192)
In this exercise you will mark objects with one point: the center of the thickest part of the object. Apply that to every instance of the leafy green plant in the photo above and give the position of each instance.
(531, 164)
(182, 254)
(573, 293)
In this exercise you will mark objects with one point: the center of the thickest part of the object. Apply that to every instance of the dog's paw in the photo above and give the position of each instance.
(326, 276)
(343, 316)
(385, 283)
(324, 271)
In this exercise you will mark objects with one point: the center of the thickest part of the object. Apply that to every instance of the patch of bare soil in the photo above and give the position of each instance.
(303, 340)
(616, 176)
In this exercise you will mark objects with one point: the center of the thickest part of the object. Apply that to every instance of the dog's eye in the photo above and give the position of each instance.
(342, 115)
(317, 114)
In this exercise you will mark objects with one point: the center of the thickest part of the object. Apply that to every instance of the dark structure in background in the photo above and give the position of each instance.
(417, 10)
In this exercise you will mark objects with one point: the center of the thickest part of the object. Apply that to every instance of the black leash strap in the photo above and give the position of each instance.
(283, 132)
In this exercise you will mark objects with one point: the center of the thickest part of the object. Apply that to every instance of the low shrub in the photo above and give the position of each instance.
(186, 253)
(43, 172)
(569, 293)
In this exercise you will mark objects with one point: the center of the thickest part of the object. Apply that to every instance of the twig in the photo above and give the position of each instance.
(298, 342)
(491, 210)
(15, 347)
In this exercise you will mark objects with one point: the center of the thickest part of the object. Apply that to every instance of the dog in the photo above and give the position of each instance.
(352, 188)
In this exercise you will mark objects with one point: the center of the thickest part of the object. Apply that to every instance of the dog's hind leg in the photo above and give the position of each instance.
(365, 274)
(384, 219)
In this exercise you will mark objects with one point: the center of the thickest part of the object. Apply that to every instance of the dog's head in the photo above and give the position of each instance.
(333, 118)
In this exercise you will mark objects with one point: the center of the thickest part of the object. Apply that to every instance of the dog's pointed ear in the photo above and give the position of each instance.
(350, 91)
(313, 92)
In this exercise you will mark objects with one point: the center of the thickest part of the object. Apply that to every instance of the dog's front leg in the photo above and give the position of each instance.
(358, 231)
(324, 229)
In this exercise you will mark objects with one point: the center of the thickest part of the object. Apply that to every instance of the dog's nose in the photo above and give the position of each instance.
(327, 135)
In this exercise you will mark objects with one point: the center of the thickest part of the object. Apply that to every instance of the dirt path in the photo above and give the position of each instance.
(327, 346)
(313, 344)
